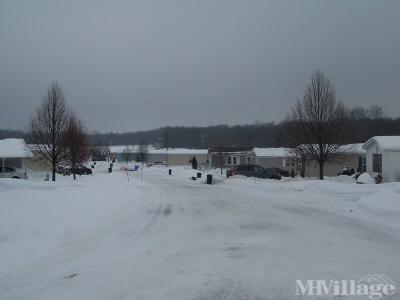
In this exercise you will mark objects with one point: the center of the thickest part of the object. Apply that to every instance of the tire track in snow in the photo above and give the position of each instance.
(153, 220)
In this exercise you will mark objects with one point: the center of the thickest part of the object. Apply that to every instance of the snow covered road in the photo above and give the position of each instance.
(168, 237)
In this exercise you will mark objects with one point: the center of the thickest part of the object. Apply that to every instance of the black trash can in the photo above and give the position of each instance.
(209, 179)
(199, 175)
(170, 171)
(111, 165)
(109, 170)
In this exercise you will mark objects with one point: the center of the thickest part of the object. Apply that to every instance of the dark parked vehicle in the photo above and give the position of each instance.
(253, 171)
(79, 170)
(279, 171)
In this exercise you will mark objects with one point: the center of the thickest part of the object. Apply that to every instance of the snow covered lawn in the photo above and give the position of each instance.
(168, 237)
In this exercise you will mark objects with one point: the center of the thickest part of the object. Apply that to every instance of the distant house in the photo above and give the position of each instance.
(282, 158)
(172, 156)
(351, 156)
(13, 153)
(230, 156)
(383, 156)
(123, 153)
(178, 156)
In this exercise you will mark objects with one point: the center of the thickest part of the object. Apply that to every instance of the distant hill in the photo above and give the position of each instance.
(365, 124)
(8, 133)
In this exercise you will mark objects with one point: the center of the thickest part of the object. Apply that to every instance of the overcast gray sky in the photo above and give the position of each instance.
(130, 65)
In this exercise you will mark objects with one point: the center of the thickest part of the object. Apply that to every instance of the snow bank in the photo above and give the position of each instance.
(365, 178)
(384, 202)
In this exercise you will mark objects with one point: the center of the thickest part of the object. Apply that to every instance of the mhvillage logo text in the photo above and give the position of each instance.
(372, 286)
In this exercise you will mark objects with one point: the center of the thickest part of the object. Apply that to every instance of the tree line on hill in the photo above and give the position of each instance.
(365, 123)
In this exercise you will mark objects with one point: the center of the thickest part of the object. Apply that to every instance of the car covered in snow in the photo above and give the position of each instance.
(11, 172)
(253, 171)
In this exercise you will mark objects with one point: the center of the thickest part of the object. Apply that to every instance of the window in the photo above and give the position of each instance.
(248, 160)
(377, 163)
(232, 160)
(299, 167)
(289, 162)
(364, 164)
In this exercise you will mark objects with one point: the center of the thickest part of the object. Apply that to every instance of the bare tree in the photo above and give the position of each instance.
(142, 153)
(48, 128)
(76, 144)
(100, 151)
(217, 156)
(127, 153)
(318, 121)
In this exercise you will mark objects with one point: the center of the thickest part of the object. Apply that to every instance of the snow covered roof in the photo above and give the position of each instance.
(353, 148)
(153, 150)
(384, 142)
(178, 151)
(273, 152)
(121, 149)
(10, 148)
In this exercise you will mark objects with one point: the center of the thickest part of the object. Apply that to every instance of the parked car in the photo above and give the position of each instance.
(253, 171)
(283, 173)
(11, 172)
(79, 170)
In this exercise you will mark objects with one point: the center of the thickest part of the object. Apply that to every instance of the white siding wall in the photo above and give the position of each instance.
(390, 165)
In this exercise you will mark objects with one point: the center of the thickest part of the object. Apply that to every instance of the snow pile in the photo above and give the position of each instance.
(365, 178)
(158, 236)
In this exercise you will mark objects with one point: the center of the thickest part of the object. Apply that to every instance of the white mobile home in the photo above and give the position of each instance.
(351, 156)
(383, 157)
(13, 153)
(171, 156)
(282, 158)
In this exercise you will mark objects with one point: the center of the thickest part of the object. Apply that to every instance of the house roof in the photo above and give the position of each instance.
(391, 143)
(230, 149)
(273, 152)
(14, 148)
(121, 149)
(353, 148)
(178, 151)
